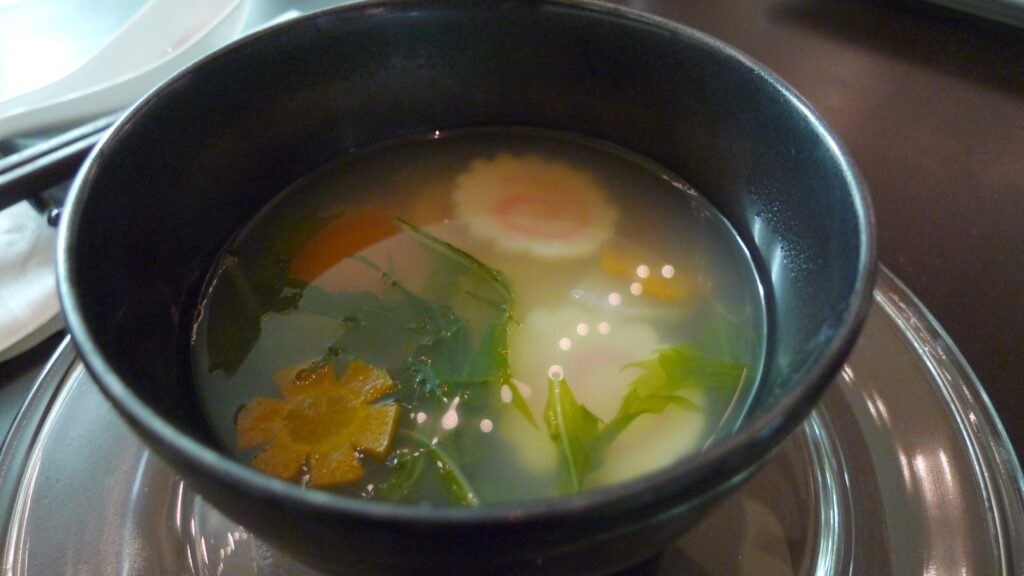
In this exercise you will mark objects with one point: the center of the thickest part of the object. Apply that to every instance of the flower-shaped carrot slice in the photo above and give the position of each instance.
(526, 204)
(323, 423)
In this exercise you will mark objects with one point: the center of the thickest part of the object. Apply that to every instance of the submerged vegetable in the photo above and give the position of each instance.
(666, 378)
(452, 477)
(651, 277)
(320, 424)
(582, 437)
(456, 343)
(446, 350)
(347, 235)
(573, 428)
(527, 204)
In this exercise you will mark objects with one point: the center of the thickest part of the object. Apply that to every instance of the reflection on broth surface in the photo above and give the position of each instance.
(478, 317)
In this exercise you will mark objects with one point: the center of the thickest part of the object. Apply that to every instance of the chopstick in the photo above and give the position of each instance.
(31, 171)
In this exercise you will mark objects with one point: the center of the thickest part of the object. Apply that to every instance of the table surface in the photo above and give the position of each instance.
(930, 104)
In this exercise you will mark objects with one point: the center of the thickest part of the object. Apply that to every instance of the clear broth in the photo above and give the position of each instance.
(611, 261)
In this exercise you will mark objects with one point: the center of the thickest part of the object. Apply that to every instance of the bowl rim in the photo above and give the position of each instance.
(740, 451)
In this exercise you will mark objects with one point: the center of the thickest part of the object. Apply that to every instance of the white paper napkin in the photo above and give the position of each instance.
(29, 310)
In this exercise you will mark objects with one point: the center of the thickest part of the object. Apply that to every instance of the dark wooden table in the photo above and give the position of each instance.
(930, 103)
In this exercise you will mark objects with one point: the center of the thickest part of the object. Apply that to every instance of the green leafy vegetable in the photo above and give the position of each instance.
(690, 367)
(454, 481)
(672, 371)
(406, 467)
(254, 280)
(471, 264)
(431, 337)
(573, 428)
(634, 405)
(685, 367)
(519, 403)
(493, 360)
(379, 329)
(582, 438)
(446, 342)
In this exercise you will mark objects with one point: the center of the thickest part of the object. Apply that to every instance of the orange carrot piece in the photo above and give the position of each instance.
(347, 235)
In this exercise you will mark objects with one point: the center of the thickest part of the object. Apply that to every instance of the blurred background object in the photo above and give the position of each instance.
(1008, 11)
(158, 39)
(64, 62)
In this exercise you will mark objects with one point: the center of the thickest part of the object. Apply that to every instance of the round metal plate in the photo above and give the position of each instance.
(903, 468)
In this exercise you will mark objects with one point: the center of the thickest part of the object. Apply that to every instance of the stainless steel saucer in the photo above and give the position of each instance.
(902, 469)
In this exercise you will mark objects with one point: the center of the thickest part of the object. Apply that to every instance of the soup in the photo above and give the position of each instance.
(476, 317)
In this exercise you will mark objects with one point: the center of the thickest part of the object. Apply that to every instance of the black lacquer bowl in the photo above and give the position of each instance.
(203, 153)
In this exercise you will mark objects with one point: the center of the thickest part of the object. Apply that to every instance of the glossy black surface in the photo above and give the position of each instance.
(197, 158)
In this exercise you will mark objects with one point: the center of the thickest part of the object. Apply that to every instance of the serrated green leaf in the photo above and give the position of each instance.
(447, 340)
(495, 277)
(688, 366)
(407, 467)
(455, 482)
(651, 378)
(492, 363)
(634, 405)
(573, 428)
(662, 378)
(519, 403)
(253, 279)
(685, 367)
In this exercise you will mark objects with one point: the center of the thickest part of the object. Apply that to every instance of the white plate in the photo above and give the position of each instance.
(161, 38)
(60, 35)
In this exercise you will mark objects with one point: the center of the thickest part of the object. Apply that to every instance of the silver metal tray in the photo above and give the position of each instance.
(902, 469)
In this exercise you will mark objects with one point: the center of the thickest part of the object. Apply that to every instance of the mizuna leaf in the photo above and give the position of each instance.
(573, 428)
